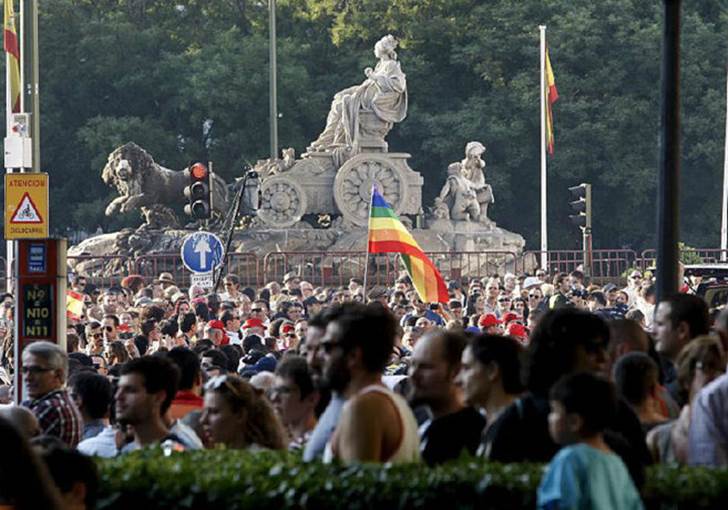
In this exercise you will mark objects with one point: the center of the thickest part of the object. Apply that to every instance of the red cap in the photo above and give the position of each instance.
(510, 316)
(287, 328)
(253, 323)
(488, 320)
(217, 324)
(517, 330)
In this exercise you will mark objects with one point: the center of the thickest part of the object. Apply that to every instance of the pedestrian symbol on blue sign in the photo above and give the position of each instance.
(202, 252)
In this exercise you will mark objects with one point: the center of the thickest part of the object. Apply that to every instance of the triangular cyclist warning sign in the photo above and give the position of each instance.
(26, 212)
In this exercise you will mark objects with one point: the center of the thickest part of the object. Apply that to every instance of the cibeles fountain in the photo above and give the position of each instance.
(320, 200)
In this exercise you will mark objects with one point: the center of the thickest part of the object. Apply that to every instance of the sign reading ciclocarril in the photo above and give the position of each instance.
(202, 252)
(26, 206)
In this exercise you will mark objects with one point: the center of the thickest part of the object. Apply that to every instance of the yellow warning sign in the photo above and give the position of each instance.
(26, 206)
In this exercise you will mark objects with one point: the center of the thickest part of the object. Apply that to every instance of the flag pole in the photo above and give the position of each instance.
(542, 93)
(366, 260)
(724, 212)
(8, 127)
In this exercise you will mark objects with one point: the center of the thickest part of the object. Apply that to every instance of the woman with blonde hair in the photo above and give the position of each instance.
(237, 415)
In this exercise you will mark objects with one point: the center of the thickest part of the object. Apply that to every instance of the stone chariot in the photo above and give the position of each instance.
(307, 188)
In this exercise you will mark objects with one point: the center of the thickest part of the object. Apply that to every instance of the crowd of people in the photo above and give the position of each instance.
(597, 381)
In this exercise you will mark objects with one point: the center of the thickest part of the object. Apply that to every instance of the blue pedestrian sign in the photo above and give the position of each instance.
(201, 252)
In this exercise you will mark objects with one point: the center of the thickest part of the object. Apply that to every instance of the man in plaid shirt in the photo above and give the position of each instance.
(45, 366)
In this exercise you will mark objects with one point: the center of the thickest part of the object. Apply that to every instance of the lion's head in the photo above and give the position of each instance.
(126, 168)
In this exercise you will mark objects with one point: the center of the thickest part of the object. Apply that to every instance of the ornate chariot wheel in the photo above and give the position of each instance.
(282, 203)
(353, 186)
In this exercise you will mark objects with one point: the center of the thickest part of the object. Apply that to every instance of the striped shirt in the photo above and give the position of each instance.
(57, 416)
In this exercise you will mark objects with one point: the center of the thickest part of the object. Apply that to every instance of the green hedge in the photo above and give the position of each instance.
(236, 480)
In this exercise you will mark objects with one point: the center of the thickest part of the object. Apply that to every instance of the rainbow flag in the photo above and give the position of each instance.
(551, 96)
(388, 235)
(11, 47)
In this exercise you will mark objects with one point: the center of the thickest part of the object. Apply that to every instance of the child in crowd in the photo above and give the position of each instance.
(585, 473)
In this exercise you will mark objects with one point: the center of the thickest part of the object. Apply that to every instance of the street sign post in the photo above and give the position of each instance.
(202, 252)
(40, 311)
(26, 206)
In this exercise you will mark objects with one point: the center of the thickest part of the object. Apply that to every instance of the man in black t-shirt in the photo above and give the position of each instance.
(453, 427)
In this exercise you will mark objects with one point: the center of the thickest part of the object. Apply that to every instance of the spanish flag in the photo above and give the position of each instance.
(388, 235)
(74, 304)
(10, 43)
(551, 96)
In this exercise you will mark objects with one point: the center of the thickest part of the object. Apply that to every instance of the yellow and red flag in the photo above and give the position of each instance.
(12, 48)
(551, 96)
(388, 235)
(74, 304)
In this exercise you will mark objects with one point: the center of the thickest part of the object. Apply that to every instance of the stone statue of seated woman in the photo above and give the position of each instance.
(360, 116)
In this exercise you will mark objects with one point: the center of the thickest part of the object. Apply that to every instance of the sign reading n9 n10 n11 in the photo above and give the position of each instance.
(26, 206)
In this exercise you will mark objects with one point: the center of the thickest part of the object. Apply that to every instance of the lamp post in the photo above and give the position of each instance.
(273, 92)
(668, 192)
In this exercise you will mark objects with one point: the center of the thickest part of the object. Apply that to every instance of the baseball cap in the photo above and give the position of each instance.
(517, 330)
(510, 316)
(531, 281)
(488, 320)
(253, 323)
(609, 287)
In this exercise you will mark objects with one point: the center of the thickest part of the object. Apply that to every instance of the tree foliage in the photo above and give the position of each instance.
(188, 80)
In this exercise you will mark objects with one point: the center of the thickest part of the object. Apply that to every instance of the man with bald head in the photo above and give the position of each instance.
(453, 426)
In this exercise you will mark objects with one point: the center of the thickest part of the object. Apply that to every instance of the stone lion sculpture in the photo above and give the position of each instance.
(143, 183)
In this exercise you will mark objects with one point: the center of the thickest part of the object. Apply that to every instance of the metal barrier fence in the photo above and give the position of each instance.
(690, 256)
(336, 268)
(244, 265)
(607, 264)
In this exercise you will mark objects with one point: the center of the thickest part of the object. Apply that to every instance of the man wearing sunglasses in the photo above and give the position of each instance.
(94, 339)
(44, 368)
(111, 325)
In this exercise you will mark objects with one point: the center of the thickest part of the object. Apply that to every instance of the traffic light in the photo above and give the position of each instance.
(198, 193)
(581, 205)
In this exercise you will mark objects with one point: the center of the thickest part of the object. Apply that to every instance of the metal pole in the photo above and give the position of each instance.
(542, 93)
(9, 245)
(724, 211)
(29, 56)
(668, 186)
(273, 93)
(586, 243)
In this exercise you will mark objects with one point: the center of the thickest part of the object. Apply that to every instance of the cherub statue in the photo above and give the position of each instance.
(458, 192)
(474, 170)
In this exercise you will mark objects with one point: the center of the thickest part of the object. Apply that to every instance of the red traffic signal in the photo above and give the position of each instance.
(198, 205)
(198, 171)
